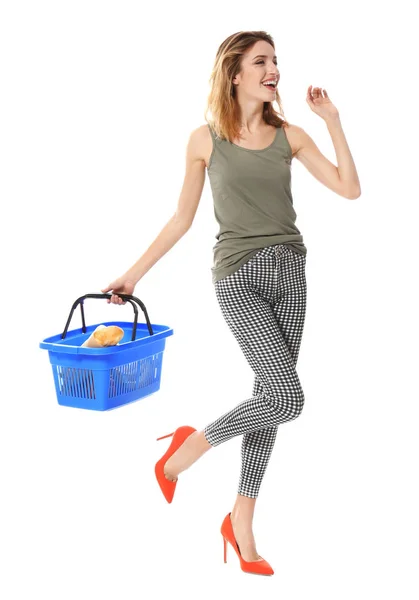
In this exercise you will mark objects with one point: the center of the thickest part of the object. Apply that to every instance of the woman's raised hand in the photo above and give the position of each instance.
(122, 285)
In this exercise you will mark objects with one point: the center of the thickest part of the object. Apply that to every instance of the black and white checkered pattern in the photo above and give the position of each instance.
(264, 305)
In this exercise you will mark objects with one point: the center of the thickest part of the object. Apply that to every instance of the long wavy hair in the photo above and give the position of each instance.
(222, 102)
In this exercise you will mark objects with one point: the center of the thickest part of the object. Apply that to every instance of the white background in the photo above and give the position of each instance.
(97, 103)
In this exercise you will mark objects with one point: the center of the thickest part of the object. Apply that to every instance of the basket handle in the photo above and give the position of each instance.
(125, 297)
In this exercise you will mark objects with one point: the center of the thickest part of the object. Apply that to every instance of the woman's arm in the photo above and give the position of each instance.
(183, 218)
(171, 233)
(343, 178)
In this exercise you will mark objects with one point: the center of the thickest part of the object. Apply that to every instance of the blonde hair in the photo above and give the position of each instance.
(221, 100)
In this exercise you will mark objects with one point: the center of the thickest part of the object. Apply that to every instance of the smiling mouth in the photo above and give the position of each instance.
(270, 87)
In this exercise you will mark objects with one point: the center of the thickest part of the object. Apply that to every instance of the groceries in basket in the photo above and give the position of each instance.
(104, 336)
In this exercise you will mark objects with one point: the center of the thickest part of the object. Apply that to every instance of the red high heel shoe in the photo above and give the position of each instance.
(258, 567)
(179, 436)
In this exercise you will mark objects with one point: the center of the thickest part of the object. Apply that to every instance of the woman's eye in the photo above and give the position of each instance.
(262, 61)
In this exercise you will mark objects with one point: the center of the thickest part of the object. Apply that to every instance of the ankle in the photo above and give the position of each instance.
(241, 521)
(202, 441)
(243, 510)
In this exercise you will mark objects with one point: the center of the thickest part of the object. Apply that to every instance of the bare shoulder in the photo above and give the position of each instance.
(199, 145)
(204, 143)
(295, 136)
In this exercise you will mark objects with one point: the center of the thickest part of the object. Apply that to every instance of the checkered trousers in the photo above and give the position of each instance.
(264, 305)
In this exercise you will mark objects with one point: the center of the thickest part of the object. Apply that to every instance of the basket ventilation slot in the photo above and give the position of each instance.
(133, 376)
(76, 383)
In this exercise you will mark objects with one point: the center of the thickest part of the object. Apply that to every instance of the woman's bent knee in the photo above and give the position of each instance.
(287, 408)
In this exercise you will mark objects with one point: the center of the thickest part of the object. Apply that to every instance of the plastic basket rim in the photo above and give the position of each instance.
(160, 331)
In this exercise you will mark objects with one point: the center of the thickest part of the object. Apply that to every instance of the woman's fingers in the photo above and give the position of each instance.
(114, 299)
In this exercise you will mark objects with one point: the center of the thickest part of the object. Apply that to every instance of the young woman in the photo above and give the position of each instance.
(259, 259)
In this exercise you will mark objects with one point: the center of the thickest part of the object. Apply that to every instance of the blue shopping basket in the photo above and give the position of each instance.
(105, 378)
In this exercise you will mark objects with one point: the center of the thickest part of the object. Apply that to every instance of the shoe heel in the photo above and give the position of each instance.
(225, 549)
(165, 436)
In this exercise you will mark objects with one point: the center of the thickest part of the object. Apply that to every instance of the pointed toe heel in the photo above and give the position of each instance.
(257, 567)
(179, 436)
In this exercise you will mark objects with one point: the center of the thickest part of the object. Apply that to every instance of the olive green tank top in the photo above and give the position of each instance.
(253, 203)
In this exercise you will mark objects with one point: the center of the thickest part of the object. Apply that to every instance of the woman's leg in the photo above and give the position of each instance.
(281, 397)
(259, 444)
(289, 312)
(264, 305)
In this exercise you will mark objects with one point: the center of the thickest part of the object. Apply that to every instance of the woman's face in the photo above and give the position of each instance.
(258, 64)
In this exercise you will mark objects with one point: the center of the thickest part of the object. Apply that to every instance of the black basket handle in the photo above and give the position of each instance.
(125, 297)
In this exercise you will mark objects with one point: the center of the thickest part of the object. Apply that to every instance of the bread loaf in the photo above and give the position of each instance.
(103, 337)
